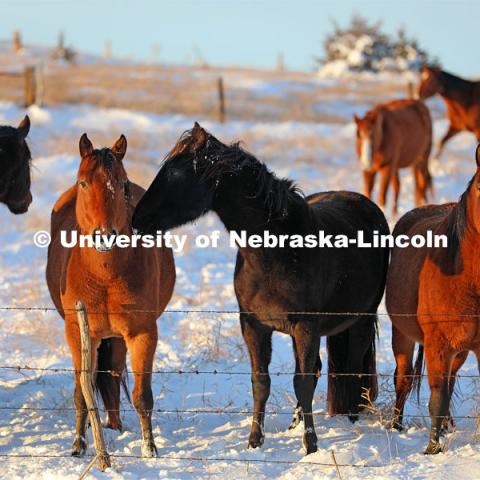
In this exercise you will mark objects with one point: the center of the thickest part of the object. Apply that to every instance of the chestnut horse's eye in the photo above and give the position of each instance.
(83, 184)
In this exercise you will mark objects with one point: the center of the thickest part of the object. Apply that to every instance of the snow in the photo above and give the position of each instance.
(318, 157)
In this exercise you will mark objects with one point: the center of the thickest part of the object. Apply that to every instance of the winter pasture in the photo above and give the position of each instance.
(301, 126)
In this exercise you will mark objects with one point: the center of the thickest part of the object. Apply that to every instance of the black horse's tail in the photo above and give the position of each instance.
(352, 367)
(108, 380)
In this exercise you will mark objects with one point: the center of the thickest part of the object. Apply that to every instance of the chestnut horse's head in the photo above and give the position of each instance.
(369, 137)
(430, 82)
(103, 193)
(15, 162)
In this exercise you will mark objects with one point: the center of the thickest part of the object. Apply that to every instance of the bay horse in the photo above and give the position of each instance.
(391, 136)
(461, 97)
(15, 161)
(283, 289)
(432, 297)
(124, 290)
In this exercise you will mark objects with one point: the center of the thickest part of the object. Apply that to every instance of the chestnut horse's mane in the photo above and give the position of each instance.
(452, 82)
(457, 222)
(214, 159)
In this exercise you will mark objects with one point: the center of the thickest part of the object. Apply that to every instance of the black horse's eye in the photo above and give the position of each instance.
(83, 184)
(173, 173)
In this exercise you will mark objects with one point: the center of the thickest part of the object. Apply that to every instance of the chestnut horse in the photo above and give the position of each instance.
(432, 298)
(391, 136)
(15, 160)
(283, 289)
(124, 290)
(462, 98)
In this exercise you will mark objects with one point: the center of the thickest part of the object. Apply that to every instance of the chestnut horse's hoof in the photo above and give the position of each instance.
(79, 447)
(149, 449)
(433, 448)
(310, 442)
(113, 425)
(256, 439)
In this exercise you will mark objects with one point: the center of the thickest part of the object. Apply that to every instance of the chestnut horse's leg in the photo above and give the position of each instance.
(458, 361)
(422, 182)
(307, 344)
(396, 191)
(298, 413)
(142, 352)
(403, 348)
(368, 183)
(451, 132)
(385, 177)
(72, 331)
(439, 361)
(259, 343)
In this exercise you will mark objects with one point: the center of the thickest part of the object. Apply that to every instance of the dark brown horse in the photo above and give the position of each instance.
(281, 289)
(15, 162)
(125, 290)
(433, 298)
(391, 136)
(462, 98)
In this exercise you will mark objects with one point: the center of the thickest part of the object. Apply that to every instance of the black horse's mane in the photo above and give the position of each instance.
(452, 82)
(457, 222)
(213, 160)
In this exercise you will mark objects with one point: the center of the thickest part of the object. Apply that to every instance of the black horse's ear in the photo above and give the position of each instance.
(120, 148)
(24, 127)
(85, 145)
(199, 135)
(477, 155)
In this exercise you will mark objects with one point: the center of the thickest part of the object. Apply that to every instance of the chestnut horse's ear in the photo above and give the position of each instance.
(477, 155)
(199, 135)
(85, 145)
(24, 127)
(355, 118)
(120, 148)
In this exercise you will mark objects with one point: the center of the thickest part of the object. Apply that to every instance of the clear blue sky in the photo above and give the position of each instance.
(241, 32)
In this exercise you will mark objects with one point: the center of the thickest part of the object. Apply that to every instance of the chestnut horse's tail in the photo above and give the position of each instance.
(351, 353)
(418, 372)
(111, 356)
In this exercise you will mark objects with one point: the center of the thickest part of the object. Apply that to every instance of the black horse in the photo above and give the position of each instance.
(279, 289)
(15, 160)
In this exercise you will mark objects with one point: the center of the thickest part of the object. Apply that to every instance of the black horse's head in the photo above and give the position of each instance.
(183, 189)
(15, 162)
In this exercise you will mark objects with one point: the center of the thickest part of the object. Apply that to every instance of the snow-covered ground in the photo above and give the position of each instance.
(317, 156)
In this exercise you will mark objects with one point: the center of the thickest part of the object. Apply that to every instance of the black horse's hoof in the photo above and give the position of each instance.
(353, 418)
(433, 448)
(397, 426)
(256, 440)
(79, 447)
(310, 442)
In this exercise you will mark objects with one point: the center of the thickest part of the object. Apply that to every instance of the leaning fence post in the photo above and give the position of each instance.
(86, 381)
(221, 101)
(30, 88)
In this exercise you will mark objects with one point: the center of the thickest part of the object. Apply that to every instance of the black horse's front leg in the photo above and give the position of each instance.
(259, 342)
(307, 344)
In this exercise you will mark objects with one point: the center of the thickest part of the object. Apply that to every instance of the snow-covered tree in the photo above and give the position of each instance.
(363, 46)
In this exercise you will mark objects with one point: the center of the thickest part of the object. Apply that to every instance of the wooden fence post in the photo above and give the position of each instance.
(221, 101)
(410, 90)
(30, 86)
(86, 380)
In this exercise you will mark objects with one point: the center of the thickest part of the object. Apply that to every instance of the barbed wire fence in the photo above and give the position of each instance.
(370, 410)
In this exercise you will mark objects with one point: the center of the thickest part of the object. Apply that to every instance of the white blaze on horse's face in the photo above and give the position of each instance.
(366, 153)
(425, 75)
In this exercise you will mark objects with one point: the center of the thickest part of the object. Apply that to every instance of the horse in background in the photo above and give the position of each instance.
(432, 297)
(15, 161)
(462, 98)
(282, 289)
(391, 136)
(124, 290)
